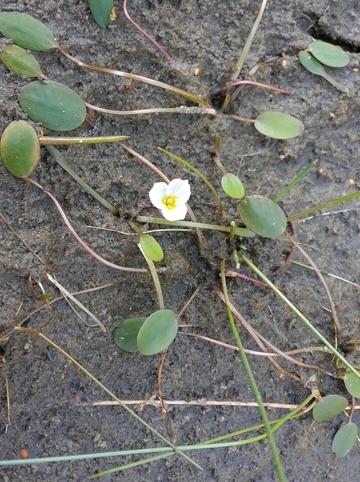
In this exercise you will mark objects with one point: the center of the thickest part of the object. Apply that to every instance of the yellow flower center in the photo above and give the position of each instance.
(169, 201)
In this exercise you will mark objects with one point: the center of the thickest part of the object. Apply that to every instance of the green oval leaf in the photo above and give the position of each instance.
(101, 10)
(352, 384)
(26, 31)
(278, 125)
(19, 60)
(311, 64)
(125, 335)
(151, 247)
(328, 407)
(344, 440)
(329, 54)
(20, 148)
(315, 67)
(232, 186)
(54, 105)
(262, 216)
(158, 331)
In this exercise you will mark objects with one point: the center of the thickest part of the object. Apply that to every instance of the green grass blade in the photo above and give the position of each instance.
(300, 315)
(252, 381)
(294, 181)
(338, 200)
(60, 159)
(196, 171)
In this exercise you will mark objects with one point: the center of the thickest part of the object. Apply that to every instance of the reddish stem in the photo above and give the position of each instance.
(143, 32)
(256, 84)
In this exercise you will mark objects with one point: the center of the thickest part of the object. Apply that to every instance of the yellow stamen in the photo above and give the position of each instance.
(169, 201)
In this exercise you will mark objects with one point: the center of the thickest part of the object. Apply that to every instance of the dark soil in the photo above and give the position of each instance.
(50, 399)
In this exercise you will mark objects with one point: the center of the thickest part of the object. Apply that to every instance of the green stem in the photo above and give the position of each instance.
(208, 444)
(245, 233)
(106, 390)
(197, 172)
(323, 206)
(249, 41)
(67, 141)
(254, 387)
(155, 278)
(294, 181)
(300, 315)
(60, 159)
(175, 90)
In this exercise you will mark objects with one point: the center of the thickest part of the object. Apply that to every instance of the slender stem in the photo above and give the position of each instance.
(208, 444)
(106, 390)
(164, 178)
(67, 141)
(79, 240)
(155, 278)
(66, 294)
(149, 37)
(254, 387)
(130, 465)
(301, 316)
(60, 159)
(197, 172)
(146, 80)
(242, 119)
(249, 41)
(255, 84)
(157, 110)
(323, 205)
(294, 181)
(337, 327)
(242, 232)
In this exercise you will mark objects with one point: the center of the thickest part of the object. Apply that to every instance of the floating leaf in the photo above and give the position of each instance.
(328, 407)
(158, 331)
(315, 67)
(19, 60)
(26, 31)
(262, 215)
(232, 186)
(54, 105)
(101, 11)
(344, 440)
(151, 247)
(125, 335)
(329, 54)
(278, 125)
(20, 148)
(352, 384)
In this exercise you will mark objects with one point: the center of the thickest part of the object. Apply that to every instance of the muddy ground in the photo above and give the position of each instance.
(50, 399)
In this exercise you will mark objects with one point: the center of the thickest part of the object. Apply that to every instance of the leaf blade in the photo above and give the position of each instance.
(20, 148)
(278, 125)
(328, 54)
(26, 31)
(125, 335)
(344, 440)
(19, 61)
(329, 407)
(157, 333)
(262, 216)
(101, 10)
(52, 104)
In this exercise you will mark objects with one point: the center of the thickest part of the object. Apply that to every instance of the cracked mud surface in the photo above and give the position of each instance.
(51, 411)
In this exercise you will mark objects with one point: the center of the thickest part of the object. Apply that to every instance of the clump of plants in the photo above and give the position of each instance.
(58, 108)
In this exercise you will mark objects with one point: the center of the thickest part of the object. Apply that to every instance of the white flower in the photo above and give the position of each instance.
(171, 198)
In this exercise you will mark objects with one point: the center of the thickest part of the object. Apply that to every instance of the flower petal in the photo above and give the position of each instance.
(157, 192)
(181, 189)
(176, 214)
